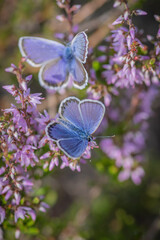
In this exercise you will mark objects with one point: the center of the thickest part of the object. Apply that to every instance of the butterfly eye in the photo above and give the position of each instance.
(89, 139)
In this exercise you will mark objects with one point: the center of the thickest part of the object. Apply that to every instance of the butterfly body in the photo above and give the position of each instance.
(58, 63)
(68, 55)
(77, 122)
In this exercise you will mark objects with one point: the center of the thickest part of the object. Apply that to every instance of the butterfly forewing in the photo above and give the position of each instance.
(39, 50)
(69, 109)
(93, 113)
(80, 46)
(57, 131)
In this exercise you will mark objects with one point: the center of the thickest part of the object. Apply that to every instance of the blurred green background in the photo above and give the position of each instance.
(92, 204)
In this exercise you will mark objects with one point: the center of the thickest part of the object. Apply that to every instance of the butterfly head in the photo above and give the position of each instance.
(90, 138)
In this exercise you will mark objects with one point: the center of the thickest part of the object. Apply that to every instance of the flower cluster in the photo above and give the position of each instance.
(19, 136)
(67, 18)
(131, 78)
(128, 148)
(129, 61)
(22, 135)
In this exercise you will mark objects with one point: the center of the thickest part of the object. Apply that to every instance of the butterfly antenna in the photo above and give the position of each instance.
(86, 30)
(105, 136)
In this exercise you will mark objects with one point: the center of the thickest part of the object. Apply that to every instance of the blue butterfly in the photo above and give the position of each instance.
(77, 121)
(58, 63)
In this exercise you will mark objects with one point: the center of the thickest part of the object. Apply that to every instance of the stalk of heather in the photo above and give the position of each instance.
(19, 136)
(22, 135)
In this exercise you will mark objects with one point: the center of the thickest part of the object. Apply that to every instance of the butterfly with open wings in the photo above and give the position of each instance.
(58, 63)
(77, 121)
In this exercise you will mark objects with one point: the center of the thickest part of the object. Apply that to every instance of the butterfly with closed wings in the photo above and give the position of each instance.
(58, 63)
(77, 121)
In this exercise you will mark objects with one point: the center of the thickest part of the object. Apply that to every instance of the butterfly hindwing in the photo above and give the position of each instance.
(53, 74)
(79, 46)
(73, 148)
(68, 140)
(39, 50)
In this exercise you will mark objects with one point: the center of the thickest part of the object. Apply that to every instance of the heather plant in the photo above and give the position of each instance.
(123, 73)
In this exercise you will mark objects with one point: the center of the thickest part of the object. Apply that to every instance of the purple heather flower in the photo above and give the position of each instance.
(22, 212)
(64, 158)
(63, 165)
(87, 153)
(53, 146)
(158, 33)
(124, 175)
(157, 49)
(140, 12)
(11, 89)
(8, 195)
(61, 18)
(132, 32)
(117, 3)
(28, 78)
(11, 69)
(59, 35)
(17, 233)
(107, 99)
(102, 48)
(2, 170)
(129, 42)
(45, 165)
(137, 175)
(157, 18)
(43, 206)
(32, 140)
(75, 28)
(118, 20)
(45, 155)
(102, 58)
(133, 144)
(126, 15)
(75, 8)
(2, 215)
(17, 198)
(6, 188)
(51, 165)
(43, 141)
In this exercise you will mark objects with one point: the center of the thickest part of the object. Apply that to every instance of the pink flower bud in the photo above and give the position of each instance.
(157, 18)
(75, 8)
(140, 12)
(6, 188)
(45, 165)
(117, 3)
(132, 32)
(118, 20)
(61, 18)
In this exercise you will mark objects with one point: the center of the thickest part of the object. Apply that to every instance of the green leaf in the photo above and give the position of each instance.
(96, 65)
